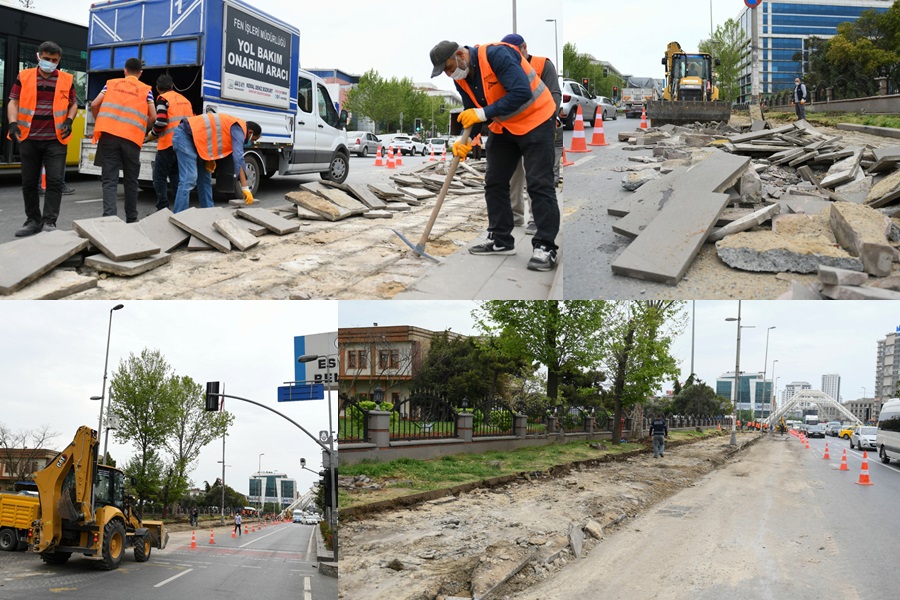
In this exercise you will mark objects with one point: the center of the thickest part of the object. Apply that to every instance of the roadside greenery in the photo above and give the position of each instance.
(728, 44)
(578, 66)
(830, 119)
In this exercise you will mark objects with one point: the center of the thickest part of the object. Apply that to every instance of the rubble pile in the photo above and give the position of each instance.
(783, 199)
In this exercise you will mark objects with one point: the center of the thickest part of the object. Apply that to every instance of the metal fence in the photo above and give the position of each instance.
(353, 422)
(492, 417)
(424, 415)
(571, 418)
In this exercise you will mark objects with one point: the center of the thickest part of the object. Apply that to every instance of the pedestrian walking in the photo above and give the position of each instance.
(659, 429)
(195, 517)
(41, 108)
(123, 111)
(171, 108)
(546, 70)
(800, 98)
(202, 140)
(497, 84)
(237, 522)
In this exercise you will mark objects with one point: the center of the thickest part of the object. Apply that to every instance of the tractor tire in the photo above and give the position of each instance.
(142, 548)
(113, 545)
(9, 540)
(55, 558)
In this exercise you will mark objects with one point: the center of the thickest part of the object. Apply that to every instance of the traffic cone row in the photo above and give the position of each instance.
(431, 158)
(578, 141)
(599, 139)
(864, 471)
(827, 456)
(378, 162)
(844, 461)
(390, 159)
(644, 117)
(398, 157)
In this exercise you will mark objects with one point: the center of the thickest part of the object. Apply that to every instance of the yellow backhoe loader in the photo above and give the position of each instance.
(691, 93)
(84, 508)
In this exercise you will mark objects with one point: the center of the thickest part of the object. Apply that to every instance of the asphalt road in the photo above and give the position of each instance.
(275, 562)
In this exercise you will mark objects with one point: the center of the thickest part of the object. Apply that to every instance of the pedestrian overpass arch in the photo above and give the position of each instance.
(820, 399)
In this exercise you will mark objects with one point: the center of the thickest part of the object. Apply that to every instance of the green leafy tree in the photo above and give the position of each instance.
(729, 43)
(698, 398)
(578, 66)
(233, 499)
(384, 101)
(144, 472)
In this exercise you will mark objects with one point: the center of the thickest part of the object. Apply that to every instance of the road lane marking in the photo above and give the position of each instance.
(580, 161)
(92, 201)
(259, 538)
(173, 578)
(306, 584)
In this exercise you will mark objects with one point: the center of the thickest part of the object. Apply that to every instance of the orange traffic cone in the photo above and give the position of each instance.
(432, 158)
(806, 442)
(378, 162)
(253, 528)
(398, 157)
(864, 473)
(566, 161)
(443, 158)
(844, 461)
(212, 536)
(578, 143)
(720, 426)
(233, 534)
(193, 541)
(826, 457)
(390, 159)
(599, 139)
(245, 529)
(44, 179)
(644, 117)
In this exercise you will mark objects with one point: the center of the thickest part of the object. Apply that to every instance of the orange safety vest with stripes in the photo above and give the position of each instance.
(212, 134)
(536, 111)
(179, 108)
(124, 110)
(538, 63)
(28, 102)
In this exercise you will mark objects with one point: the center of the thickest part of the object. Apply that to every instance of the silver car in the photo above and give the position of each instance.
(864, 438)
(573, 96)
(361, 143)
(607, 108)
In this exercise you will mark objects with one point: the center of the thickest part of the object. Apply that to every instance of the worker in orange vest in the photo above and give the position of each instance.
(171, 108)
(499, 85)
(40, 119)
(202, 140)
(123, 111)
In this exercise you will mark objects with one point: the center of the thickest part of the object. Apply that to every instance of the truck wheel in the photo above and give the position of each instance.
(338, 170)
(884, 457)
(9, 541)
(113, 545)
(55, 558)
(142, 548)
(253, 170)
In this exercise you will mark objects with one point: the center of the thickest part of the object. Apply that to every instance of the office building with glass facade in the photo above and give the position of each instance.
(278, 490)
(754, 393)
(784, 30)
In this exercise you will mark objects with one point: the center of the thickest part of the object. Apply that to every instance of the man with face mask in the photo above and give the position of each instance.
(498, 85)
(42, 106)
(202, 140)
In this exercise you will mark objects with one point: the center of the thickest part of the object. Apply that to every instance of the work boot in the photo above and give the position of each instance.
(30, 228)
(49, 227)
(67, 190)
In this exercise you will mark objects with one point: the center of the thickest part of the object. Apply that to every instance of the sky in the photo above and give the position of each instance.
(810, 339)
(52, 359)
(393, 37)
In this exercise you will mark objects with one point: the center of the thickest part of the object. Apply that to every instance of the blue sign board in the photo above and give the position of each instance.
(293, 393)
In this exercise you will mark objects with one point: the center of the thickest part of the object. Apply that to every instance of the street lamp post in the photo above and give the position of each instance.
(765, 363)
(105, 366)
(261, 481)
(555, 42)
(737, 374)
(774, 387)
(864, 393)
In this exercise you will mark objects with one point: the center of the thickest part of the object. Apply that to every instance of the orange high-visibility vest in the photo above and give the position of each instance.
(179, 108)
(212, 134)
(124, 110)
(533, 113)
(28, 102)
(538, 63)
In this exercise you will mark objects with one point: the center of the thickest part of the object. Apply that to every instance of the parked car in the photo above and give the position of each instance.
(864, 437)
(817, 430)
(607, 108)
(438, 145)
(847, 431)
(408, 145)
(573, 96)
(361, 143)
(887, 439)
(832, 428)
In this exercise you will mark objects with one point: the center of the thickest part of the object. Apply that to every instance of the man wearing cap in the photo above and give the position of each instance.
(497, 84)
(547, 72)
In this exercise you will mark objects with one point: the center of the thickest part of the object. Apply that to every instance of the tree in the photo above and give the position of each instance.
(729, 44)
(578, 66)
(142, 396)
(20, 449)
(697, 398)
(233, 499)
(384, 101)
(144, 472)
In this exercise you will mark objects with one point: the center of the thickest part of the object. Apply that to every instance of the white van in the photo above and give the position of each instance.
(887, 439)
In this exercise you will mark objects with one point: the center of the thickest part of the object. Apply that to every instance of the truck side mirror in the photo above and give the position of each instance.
(663, 61)
(343, 119)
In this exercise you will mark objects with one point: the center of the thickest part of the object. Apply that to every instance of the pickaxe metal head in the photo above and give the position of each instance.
(417, 248)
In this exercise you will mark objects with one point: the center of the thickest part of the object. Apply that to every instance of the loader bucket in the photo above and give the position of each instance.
(684, 112)
(158, 534)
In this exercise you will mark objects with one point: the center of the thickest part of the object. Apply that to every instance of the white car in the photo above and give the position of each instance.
(864, 437)
(408, 145)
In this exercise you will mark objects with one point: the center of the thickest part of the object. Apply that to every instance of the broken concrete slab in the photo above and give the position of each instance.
(319, 205)
(302, 213)
(756, 135)
(801, 291)
(362, 193)
(58, 283)
(417, 193)
(25, 260)
(635, 179)
(863, 292)
(160, 230)
(199, 223)
(239, 237)
(750, 186)
(251, 227)
(115, 238)
(384, 191)
(748, 222)
(576, 539)
(864, 232)
(270, 221)
(338, 197)
(490, 574)
(835, 276)
(126, 268)
(886, 159)
(195, 244)
(891, 282)
(803, 204)
(857, 190)
(885, 191)
(768, 251)
(379, 214)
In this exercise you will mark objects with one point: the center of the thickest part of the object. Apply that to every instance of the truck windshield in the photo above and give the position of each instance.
(110, 489)
(692, 65)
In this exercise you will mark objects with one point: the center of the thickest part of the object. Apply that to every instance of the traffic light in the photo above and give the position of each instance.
(442, 109)
(615, 91)
(418, 124)
(586, 82)
(212, 398)
(605, 72)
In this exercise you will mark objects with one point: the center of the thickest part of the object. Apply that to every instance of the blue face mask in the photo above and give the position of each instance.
(46, 66)
(248, 143)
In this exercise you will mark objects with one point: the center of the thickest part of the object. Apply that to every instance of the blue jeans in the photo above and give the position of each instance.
(659, 445)
(191, 172)
(165, 169)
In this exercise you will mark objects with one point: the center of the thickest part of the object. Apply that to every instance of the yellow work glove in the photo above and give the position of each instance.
(470, 117)
(461, 150)
(211, 166)
(248, 196)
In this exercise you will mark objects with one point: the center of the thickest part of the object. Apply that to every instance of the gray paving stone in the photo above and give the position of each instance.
(239, 237)
(253, 228)
(341, 198)
(864, 232)
(803, 204)
(161, 231)
(56, 284)
(835, 276)
(863, 292)
(363, 194)
(25, 260)
(801, 291)
(379, 214)
(316, 204)
(649, 192)
(199, 223)
(748, 222)
(885, 191)
(115, 238)
(272, 222)
(195, 244)
(768, 251)
(886, 159)
(757, 135)
(126, 268)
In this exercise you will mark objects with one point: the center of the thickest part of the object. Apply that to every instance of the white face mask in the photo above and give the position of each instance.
(459, 73)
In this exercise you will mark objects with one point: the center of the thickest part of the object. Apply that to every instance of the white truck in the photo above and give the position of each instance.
(224, 56)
